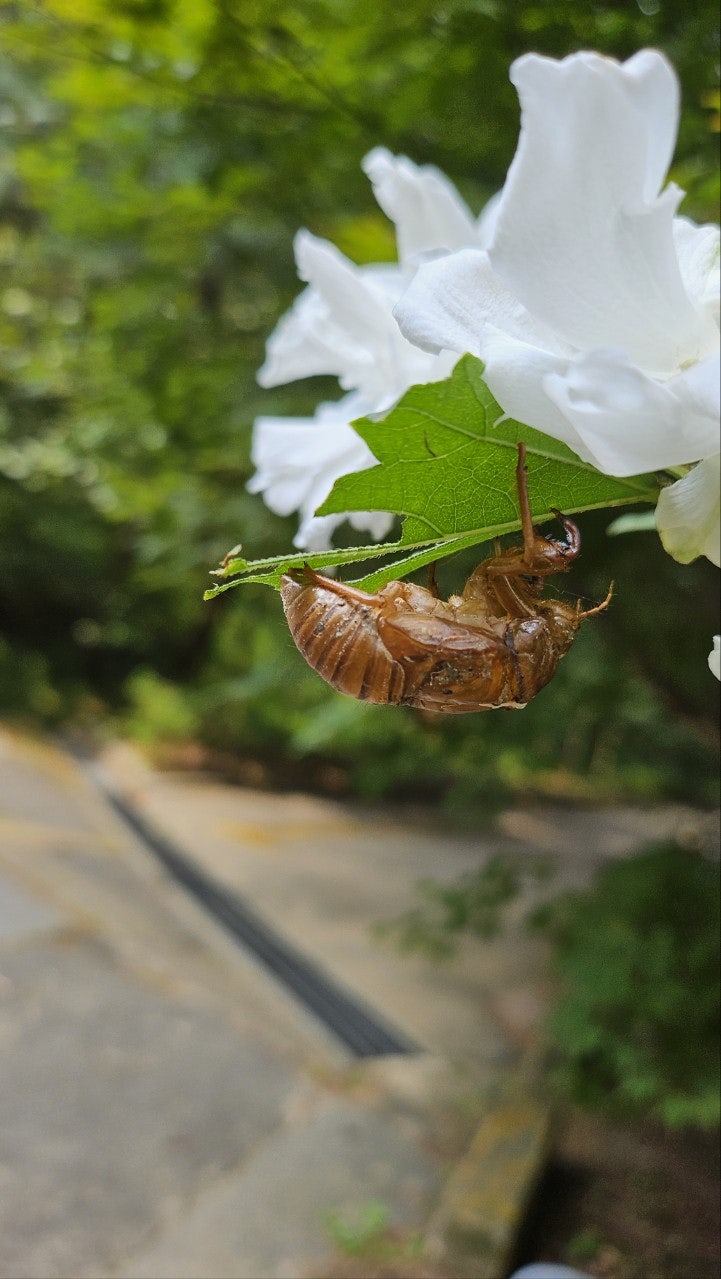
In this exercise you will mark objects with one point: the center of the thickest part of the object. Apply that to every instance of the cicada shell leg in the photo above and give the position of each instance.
(307, 576)
(600, 608)
(524, 503)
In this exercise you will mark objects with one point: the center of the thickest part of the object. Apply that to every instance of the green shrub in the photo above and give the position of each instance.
(159, 711)
(26, 691)
(635, 1028)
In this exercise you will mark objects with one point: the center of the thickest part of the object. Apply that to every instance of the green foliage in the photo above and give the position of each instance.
(363, 1235)
(475, 904)
(156, 158)
(636, 1026)
(368, 1234)
(447, 463)
(585, 1245)
(158, 711)
(25, 686)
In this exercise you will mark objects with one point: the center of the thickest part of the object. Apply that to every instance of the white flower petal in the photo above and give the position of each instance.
(700, 387)
(486, 221)
(341, 325)
(630, 422)
(302, 344)
(583, 237)
(298, 461)
(688, 514)
(458, 302)
(697, 249)
(516, 374)
(355, 306)
(428, 212)
(714, 657)
(315, 532)
(377, 523)
(455, 302)
(594, 308)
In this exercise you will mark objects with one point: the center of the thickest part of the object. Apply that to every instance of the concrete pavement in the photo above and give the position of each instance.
(168, 1109)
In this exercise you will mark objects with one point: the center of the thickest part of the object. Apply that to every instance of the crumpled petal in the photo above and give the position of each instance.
(698, 248)
(343, 325)
(629, 422)
(454, 302)
(300, 345)
(297, 462)
(714, 657)
(688, 514)
(583, 238)
(340, 325)
(460, 303)
(428, 212)
(516, 374)
(598, 403)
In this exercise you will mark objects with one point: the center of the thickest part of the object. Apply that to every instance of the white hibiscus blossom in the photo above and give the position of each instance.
(343, 324)
(594, 307)
(299, 459)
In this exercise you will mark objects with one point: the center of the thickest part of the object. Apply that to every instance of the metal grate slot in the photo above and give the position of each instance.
(350, 1020)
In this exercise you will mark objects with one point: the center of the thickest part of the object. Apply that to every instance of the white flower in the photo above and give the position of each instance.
(343, 324)
(714, 657)
(298, 461)
(594, 307)
(428, 212)
(688, 514)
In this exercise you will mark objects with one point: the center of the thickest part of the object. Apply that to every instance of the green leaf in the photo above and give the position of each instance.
(447, 464)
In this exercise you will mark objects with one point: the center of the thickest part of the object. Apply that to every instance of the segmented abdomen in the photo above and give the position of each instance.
(340, 640)
(404, 647)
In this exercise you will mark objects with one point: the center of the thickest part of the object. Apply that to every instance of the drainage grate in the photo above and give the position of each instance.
(356, 1025)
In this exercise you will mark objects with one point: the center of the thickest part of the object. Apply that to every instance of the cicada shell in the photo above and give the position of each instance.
(495, 645)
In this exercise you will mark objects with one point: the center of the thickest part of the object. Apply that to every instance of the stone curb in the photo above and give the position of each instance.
(483, 1206)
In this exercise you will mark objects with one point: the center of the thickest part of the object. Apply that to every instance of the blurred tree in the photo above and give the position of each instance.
(156, 157)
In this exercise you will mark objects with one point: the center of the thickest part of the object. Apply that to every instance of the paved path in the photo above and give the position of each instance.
(167, 1109)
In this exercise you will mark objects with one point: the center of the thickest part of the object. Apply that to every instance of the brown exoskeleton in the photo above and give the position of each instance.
(496, 645)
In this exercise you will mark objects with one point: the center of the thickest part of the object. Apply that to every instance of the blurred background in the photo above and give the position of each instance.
(156, 159)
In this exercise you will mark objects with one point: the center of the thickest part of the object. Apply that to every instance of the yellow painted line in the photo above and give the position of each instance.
(39, 754)
(276, 833)
(25, 831)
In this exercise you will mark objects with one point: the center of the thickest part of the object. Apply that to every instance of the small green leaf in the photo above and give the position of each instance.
(268, 572)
